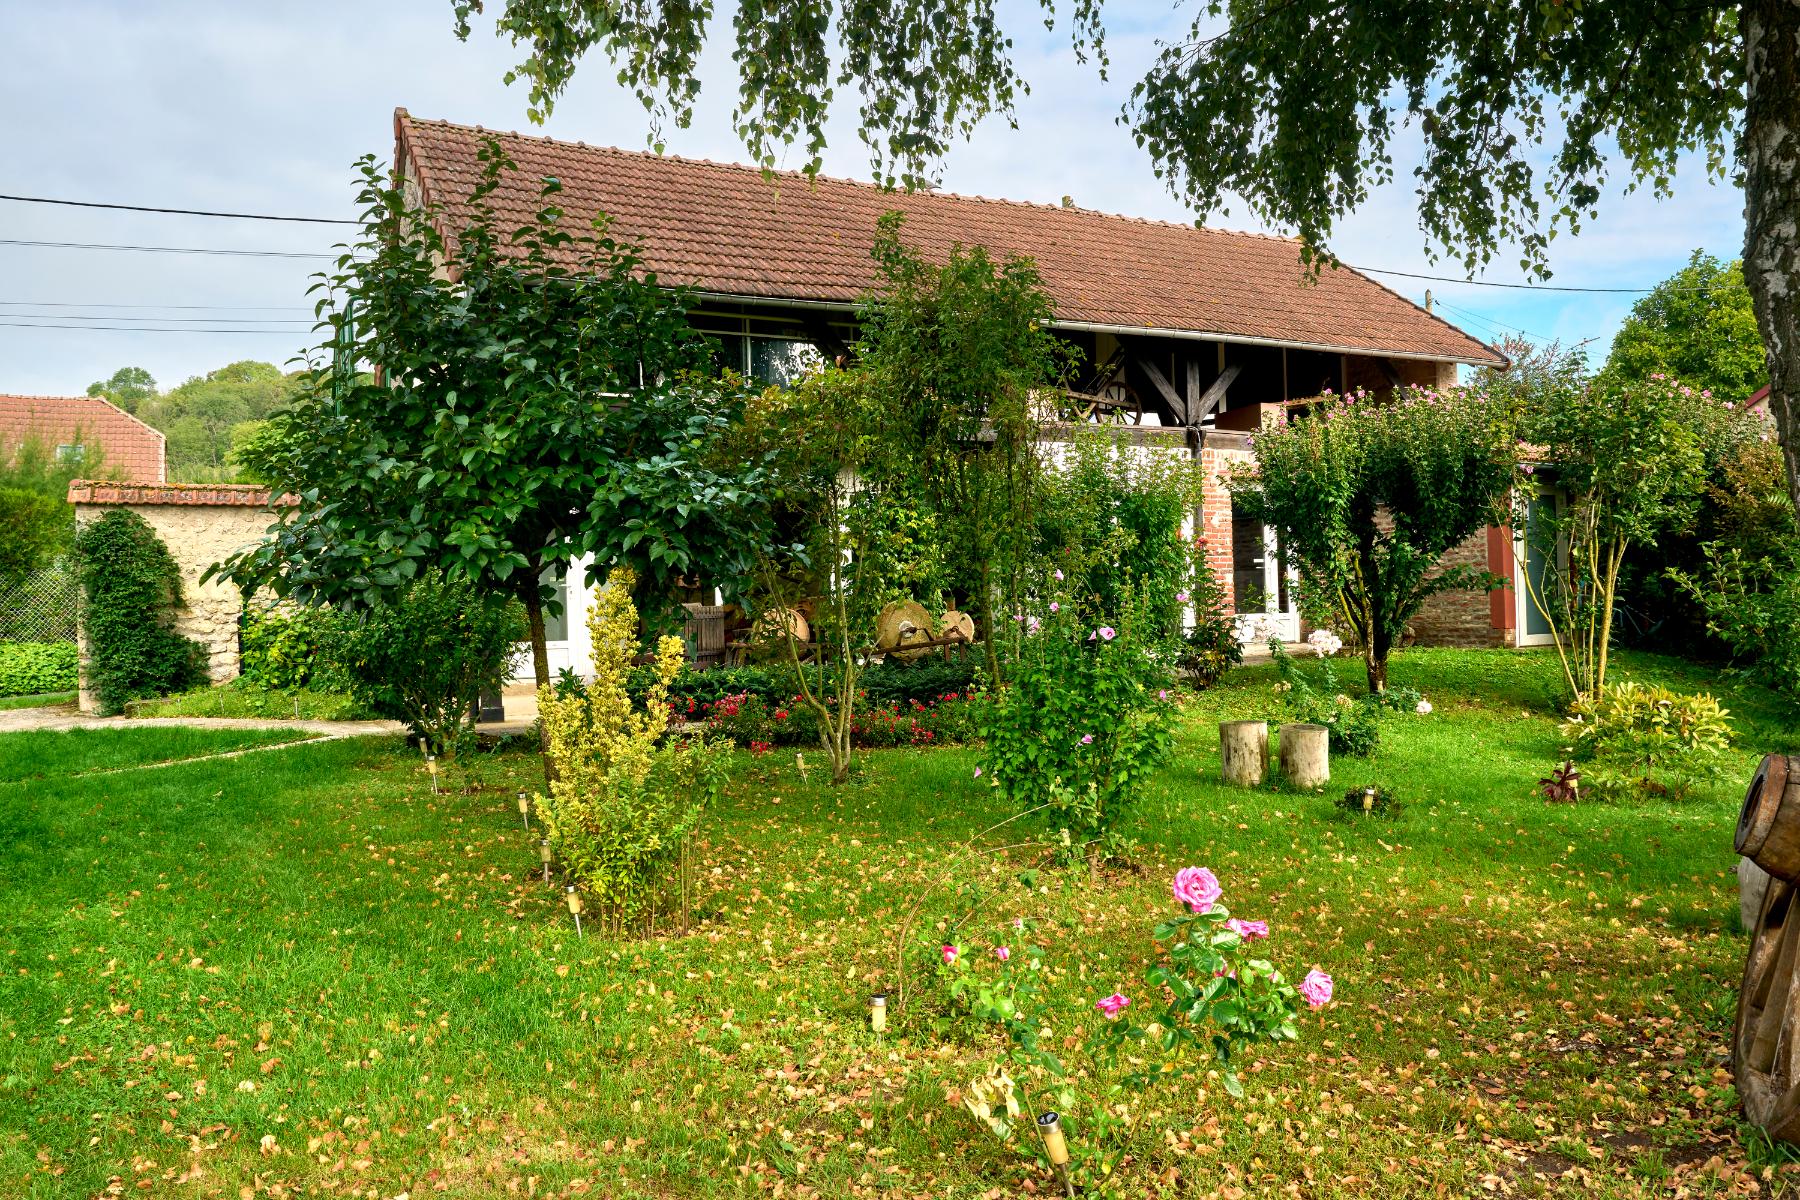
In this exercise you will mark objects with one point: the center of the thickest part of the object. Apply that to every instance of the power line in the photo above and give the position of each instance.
(146, 328)
(165, 249)
(186, 212)
(233, 308)
(44, 316)
(1533, 287)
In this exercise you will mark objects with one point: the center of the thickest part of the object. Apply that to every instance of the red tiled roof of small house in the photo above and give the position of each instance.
(729, 229)
(130, 447)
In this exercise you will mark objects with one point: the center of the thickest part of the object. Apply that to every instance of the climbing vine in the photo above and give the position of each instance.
(132, 588)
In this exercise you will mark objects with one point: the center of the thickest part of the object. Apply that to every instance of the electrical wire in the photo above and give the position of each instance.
(232, 308)
(186, 212)
(145, 328)
(40, 316)
(165, 249)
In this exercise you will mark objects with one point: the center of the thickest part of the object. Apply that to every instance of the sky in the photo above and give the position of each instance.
(266, 107)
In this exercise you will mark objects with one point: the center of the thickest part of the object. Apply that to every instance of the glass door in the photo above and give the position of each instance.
(1262, 584)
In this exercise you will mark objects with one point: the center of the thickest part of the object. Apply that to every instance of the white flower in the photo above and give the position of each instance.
(1423, 708)
(1325, 642)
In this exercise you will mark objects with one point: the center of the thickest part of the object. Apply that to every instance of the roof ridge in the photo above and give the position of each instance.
(864, 184)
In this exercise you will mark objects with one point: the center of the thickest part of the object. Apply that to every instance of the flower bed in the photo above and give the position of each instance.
(762, 725)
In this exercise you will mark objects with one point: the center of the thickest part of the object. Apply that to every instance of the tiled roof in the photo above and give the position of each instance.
(131, 447)
(229, 495)
(724, 228)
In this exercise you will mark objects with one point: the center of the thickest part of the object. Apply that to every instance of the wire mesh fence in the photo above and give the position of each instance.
(41, 609)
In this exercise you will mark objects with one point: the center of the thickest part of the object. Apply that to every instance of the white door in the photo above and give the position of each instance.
(1531, 627)
(1262, 584)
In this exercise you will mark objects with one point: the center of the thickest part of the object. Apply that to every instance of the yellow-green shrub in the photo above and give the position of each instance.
(1646, 739)
(622, 804)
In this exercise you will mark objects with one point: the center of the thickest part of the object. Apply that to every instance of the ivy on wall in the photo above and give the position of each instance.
(132, 588)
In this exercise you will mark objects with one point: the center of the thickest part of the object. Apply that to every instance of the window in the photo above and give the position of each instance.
(781, 360)
(71, 454)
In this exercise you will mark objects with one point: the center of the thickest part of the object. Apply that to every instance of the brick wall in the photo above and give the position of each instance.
(1462, 618)
(1219, 453)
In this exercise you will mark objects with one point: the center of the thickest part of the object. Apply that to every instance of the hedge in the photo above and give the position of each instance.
(37, 668)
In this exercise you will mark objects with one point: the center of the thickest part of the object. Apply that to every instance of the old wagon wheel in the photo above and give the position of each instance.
(1766, 1042)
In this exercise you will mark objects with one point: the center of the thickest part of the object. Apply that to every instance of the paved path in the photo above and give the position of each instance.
(65, 716)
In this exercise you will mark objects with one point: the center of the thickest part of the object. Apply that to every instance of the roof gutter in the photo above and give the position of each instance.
(1186, 335)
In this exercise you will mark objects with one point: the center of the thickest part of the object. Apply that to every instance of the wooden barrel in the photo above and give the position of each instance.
(1765, 1043)
(1768, 828)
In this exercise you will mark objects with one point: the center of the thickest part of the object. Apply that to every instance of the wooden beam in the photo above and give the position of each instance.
(1390, 370)
(1176, 405)
(1215, 395)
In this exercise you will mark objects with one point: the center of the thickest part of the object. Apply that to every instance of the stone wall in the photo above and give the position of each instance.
(200, 524)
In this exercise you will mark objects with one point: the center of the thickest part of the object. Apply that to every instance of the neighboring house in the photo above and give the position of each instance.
(1189, 336)
(69, 426)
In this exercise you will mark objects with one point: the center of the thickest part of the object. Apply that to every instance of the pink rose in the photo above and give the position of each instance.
(1112, 1005)
(950, 953)
(1315, 989)
(1198, 888)
(1002, 952)
(1248, 930)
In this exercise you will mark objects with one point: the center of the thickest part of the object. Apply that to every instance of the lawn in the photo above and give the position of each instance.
(301, 972)
(43, 754)
(42, 700)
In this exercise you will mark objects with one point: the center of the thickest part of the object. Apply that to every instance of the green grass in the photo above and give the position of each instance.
(43, 700)
(45, 754)
(301, 970)
(241, 698)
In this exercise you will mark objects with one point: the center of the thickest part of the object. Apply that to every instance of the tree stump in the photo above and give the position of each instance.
(1306, 755)
(1243, 752)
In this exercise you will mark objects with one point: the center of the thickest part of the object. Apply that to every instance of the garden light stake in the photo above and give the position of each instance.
(525, 810)
(878, 1012)
(544, 856)
(574, 899)
(1050, 1129)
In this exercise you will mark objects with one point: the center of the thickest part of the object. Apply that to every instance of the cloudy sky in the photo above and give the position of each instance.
(264, 107)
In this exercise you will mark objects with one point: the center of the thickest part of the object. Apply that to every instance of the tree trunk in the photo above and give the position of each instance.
(988, 630)
(1770, 152)
(1376, 659)
(1306, 755)
(1243, 752)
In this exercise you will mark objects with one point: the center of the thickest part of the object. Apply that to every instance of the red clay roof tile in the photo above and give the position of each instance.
(728, 229)
(132, 448)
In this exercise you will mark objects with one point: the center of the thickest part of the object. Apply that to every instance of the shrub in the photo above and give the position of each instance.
(926, 680)
(36, 668)
(753, 721)
(295, 648)
(621, 807)
(1354, 726)
(425, 658)
(1085, 720)
(1642, 739)
(132, 588)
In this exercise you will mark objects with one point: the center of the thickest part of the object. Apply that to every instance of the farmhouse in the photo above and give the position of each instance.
(1190, 337)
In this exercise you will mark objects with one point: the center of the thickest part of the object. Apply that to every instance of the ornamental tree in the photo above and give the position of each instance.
(1632, 466)
(1293, 106)
(495, 403)
(1368, 496)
